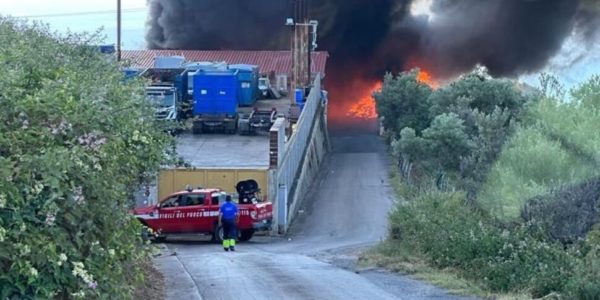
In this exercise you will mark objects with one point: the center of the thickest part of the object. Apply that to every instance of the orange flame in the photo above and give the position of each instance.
(365, 107)
(425, 77)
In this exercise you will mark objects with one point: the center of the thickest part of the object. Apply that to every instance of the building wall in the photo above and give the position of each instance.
(173, 180)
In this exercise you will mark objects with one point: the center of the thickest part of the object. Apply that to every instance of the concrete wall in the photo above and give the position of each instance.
(301, 158)
(313, 158)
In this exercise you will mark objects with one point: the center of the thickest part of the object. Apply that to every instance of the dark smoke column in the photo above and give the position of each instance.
(216, 24)
(509, 37)
(348, 29)
(368, 38)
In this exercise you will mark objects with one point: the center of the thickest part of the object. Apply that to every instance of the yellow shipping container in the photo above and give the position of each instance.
(174, 180)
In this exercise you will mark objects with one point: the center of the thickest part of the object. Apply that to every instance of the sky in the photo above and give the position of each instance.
(85, 15)
(572, 65)
(575, 63)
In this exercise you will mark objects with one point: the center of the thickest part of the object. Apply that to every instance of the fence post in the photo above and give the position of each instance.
(282, 208)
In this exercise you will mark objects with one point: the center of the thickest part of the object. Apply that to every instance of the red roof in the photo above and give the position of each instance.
(279, 62)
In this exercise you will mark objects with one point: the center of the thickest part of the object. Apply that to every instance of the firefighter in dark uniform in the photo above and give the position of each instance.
(228, 218)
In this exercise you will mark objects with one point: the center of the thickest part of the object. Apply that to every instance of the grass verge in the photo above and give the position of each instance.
(394, 256)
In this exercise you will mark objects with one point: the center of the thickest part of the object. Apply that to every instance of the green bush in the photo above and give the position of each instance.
(458, 130)
(585, 283)
(479, 92)
(526, 187)
(558, 144)
(75, 142)
(574, 124)
(453, 235)
(403, 102)
(530, 165)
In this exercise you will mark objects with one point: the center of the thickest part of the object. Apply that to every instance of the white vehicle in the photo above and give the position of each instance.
(264, 87)
(164, 97)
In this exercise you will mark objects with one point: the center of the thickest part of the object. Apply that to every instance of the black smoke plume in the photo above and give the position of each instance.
(509, 37)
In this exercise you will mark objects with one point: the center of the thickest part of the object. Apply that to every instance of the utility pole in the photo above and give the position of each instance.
(302, 45)
(118, 30)
(308, 45)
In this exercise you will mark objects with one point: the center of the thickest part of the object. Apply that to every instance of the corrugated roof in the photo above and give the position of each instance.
(279, 62)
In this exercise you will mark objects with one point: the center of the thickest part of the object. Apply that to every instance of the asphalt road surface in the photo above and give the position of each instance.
(346, 213)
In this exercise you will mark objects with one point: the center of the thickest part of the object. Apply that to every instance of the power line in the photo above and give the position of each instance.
(84, 13)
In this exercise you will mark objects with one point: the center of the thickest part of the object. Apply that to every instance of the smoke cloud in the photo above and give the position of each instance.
(509, 37)
(216, 24)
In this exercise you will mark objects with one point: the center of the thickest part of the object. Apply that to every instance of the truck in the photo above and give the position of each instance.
(193, 67)
(258, 120)
(251, 119)
(167, 90)
(196, 211)
(266, 90)
(223, 94)
(215, 101)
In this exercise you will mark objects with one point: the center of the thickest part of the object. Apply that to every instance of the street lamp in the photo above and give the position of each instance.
(312, 23)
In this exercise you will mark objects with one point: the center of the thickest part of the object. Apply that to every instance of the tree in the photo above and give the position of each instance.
(587, 93)
(493, 130)
(481, 93)
(75, 141)
(402, 102)
(411, 145)
(448, 140)
(407, 149)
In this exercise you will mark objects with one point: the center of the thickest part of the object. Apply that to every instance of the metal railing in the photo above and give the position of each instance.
(295, 149)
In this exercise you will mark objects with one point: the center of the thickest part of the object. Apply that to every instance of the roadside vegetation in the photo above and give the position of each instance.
(76, 141)
(498, 184)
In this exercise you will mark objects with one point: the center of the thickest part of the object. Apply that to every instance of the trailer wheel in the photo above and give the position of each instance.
(246, 235)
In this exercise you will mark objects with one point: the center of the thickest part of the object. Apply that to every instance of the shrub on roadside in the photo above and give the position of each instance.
(530, 165)
(524, 163)
(585, 283)
(457, 130)
(75, 141)
(557, 144)
(453, 235)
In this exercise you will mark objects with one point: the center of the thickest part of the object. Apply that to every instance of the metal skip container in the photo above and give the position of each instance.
(215, 100)
(248, 83)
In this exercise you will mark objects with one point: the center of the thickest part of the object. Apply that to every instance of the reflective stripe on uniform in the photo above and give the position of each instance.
(228, 243)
